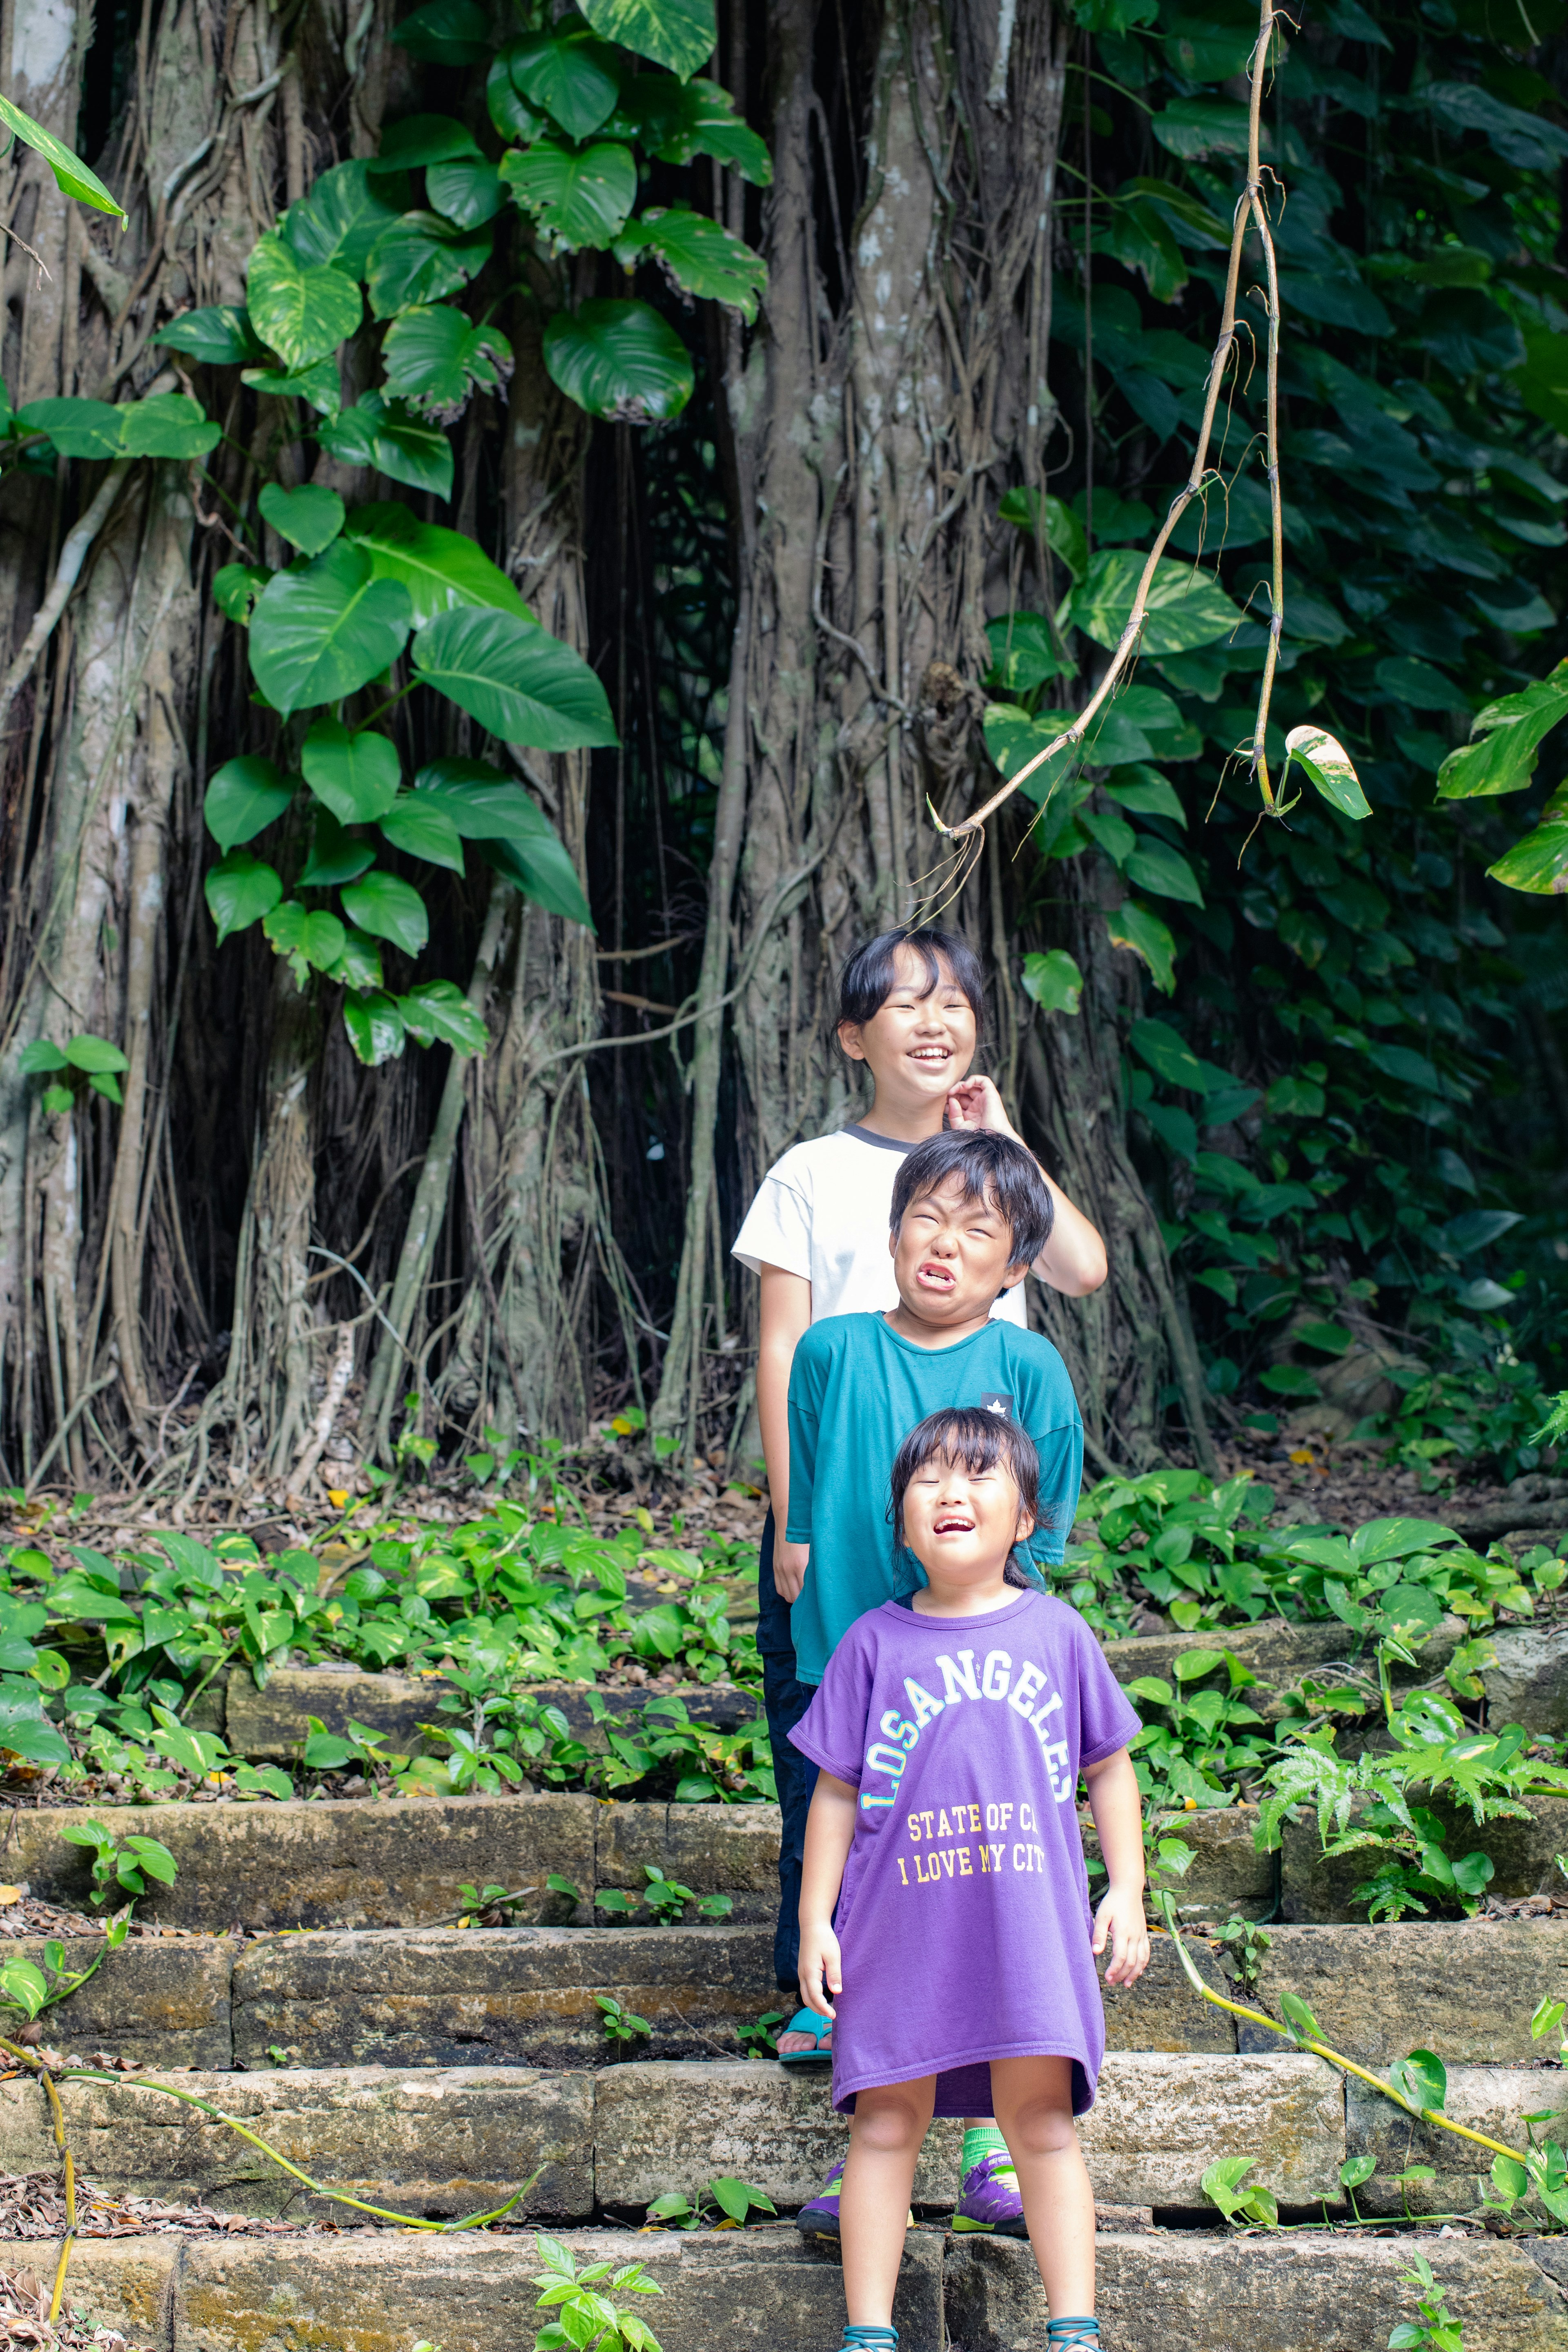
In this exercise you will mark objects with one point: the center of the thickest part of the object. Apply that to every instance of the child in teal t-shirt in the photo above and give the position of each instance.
(969, 1215)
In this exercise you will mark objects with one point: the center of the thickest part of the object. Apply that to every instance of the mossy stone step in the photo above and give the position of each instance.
(271, 1725)
(527, 1996)
(761, 2290)
(451, 2142)
(399, 1862)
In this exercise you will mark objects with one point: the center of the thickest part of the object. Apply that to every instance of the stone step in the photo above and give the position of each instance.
(270, 1725)
(362, 1862)
(359, 1863)
(731, 2291)
(526, 1996)
(453, 2141)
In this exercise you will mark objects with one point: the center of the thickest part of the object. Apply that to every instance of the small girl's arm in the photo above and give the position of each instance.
(830, 1832)
(1118, 1810)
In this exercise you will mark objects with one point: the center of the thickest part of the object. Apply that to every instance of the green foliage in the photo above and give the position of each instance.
(122, 1864)
(71, 175)
(621, 2026)
(1343, 983)
(1436, 2330)
(84, 1063)
(735, 2201)
(1225, 2184)
(588, 2317)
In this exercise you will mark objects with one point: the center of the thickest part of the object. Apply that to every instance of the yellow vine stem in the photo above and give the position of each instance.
(1250, 211)
(1321, 2049)
(48, 2075)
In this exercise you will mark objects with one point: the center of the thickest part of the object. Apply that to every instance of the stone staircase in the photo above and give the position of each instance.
(292, 1977)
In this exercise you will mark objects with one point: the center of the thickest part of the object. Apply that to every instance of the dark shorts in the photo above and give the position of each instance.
(785, 1700)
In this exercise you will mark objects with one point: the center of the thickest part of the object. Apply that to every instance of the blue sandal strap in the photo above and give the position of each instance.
(858, 2337)
(1071, 2333)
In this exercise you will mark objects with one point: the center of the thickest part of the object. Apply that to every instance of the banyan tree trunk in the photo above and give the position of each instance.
(898, 388)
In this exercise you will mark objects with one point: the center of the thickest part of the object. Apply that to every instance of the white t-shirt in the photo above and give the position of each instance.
(825, 1210)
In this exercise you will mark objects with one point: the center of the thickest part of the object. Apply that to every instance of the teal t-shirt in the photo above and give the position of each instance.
(856, 1390)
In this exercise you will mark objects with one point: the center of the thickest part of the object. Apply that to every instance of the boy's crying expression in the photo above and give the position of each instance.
(952, 1255)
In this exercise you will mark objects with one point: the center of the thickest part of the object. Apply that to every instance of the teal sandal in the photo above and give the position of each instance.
(1073, 2334)
(807, 2021)
(858, 2337)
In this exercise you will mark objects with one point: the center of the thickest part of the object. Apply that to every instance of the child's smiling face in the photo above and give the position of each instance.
(951, 1256)
(962, 1524)
(921, 1040)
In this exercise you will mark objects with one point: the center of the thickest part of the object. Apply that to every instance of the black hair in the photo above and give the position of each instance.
(994, 1168)
(871, 973)
(979, 1439)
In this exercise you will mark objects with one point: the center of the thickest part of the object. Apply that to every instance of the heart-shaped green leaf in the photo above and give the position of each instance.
(466, 190)
(434, 359)
(1135, 927)
(619, 360)
(309, 517)
(222, 337)
(239, 890)
(301, 312)
(442, 570)
(309, 940)
(1329, 769)
(579, 195)
(243, 798)
(77, 428)
(335, 856)
(437, 1013)
(375, 1027)
(388, 908)
(516, 679)
(416, 825)
(421, 257)
(387, 435)
(335, 226)
(699, 255)
(324, 629)
(567, 74)
(356, 775)
(680, 34)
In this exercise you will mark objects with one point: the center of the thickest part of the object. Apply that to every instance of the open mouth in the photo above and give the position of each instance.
(934, 1057)
(940, 1277)
(953, 1523)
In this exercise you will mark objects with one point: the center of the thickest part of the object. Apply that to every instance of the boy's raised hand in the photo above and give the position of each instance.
(975, 1102)
(1120, 1922)
(821, 1974)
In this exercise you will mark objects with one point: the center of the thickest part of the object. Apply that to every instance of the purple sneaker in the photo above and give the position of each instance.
(820, 2218)
(991, 2201)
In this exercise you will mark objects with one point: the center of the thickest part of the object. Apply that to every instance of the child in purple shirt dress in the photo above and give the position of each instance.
(944, 1913)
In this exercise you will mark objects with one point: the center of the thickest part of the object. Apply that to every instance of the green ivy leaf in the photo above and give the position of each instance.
(335, 226)
(677, 121)
(171, 425)
(359, 966)
(239, 890)
(1023, 656)
(388, 908)
(321, 630)
(356, 775)
(1505, 738)
(578, 196)
(236, 587)
(1155, 866)
(77, 428)
(446, 33)
(466, 190)
(387, 435)
(420, 258)
(420, 141)
(1184, 606)
(680, 34)
(618, 360)
(1053, 519)
(434, 360)
(437, 1013)
(320, 383)
(416, 825)
(1053, 981)
(568, 74)
(301, 312)
(443, 571)
(699, 254)
(308, 519)
(1422, 2079)
(1329, 768)
(542, 870)
(374, 1026)
(244, 797)
(1540, 862)
(1167, 1055)
(335, 856)
(482, 804)
(71, 175)
(309, 940)
(221, 337)
(516, 679)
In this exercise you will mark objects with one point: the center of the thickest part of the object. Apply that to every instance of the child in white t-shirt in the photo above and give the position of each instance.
(912, 1006)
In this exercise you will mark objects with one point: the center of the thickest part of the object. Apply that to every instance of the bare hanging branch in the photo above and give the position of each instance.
(1250, 211)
